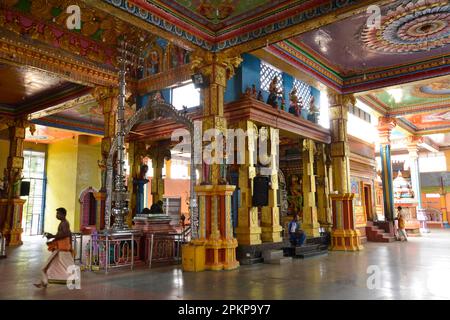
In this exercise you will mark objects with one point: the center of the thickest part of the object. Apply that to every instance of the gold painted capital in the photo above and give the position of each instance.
(336, 99)
(219, 67)
(385, 126)
(102, 93)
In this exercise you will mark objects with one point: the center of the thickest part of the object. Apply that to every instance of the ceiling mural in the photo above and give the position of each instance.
(429, 121)
(411, 43)
(215, 14)
(417, 97)
(349, 46)
(410, 26)
(218, 25)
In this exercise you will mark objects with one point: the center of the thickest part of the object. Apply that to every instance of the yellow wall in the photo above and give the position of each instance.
(62, 160)
(88, 172)
(71, 168)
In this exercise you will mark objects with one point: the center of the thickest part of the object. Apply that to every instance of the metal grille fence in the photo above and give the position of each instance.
(303, 92)
(267, 74)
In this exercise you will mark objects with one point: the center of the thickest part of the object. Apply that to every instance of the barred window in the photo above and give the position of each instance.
(268, 72)
(303, 92)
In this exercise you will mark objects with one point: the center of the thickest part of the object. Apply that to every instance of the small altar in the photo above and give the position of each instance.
(152, 224)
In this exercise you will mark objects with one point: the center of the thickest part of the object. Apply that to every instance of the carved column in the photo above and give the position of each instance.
(344, 235)
(323, 188)
(214, 194)
(137, 179)
(270, 220)
(158, 153)
(248, 232)
(107, 99)
(385, 126)
(413, 151)
(11, 206)
(310, 223)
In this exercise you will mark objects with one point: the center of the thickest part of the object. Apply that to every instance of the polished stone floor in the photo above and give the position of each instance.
(418, 269)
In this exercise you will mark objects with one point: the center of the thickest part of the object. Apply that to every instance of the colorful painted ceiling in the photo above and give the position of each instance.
(216, 25)
(36, 33)
(411, 42)
(422, 107)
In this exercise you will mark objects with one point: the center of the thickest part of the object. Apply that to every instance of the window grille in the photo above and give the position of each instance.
(268, 72)
(303, 92)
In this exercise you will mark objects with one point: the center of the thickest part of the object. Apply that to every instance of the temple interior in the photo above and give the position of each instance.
(184, 137)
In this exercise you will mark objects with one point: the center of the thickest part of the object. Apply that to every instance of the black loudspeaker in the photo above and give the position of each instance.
(260, 191)
(25, 188)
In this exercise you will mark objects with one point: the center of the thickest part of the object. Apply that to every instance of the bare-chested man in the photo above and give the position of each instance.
(61, 257)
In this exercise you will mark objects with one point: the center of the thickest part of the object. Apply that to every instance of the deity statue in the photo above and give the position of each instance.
(283, 103)
(313, 113)
(294, 106)
(260, 96)
(273, 93)
(254, 93)
(295, 197)
(402, 188)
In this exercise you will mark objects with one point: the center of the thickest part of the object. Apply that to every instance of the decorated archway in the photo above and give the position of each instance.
(153, 110)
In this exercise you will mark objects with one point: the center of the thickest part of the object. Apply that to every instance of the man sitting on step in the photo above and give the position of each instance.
(296, 235)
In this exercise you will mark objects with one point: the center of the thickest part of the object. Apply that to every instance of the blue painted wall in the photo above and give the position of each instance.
(248, 74)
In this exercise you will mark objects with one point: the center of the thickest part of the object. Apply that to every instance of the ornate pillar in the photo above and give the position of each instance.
(158, 153)
(137, 179)
(270, 220)
(413, 152)
(214, 194)
(107, 99)
(385, 126)
(310, 224)
(248, 232)
(11, 207)
(344, 235)
(323, 188)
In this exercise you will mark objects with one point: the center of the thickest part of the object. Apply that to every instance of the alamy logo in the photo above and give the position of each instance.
(73, 21)
(234, 146)
(74, 277)
(374, 20)
(374, 279)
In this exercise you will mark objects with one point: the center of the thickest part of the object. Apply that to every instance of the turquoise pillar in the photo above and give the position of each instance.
(385, 126)
(386, 177)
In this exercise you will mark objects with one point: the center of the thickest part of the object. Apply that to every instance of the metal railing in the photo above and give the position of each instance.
(77, 247)
(106, 252)
(2, 246)
(164, 248)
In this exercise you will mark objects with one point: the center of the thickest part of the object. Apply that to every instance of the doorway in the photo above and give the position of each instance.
(367, 189)
(34, 208)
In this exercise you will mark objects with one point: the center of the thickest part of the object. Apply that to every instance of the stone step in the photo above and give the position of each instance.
(272, 254)
(249, 261)
(283, 260)
(312, 254)
(306, 248)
